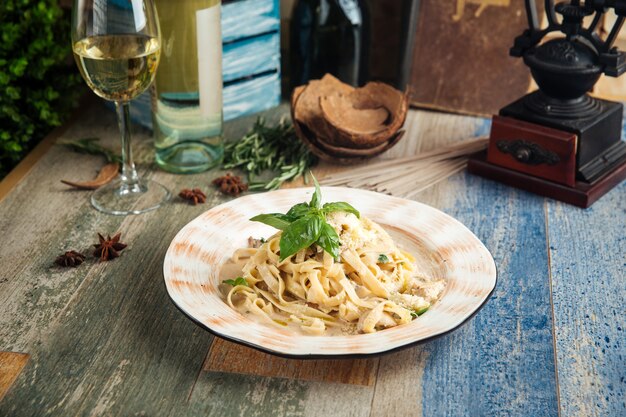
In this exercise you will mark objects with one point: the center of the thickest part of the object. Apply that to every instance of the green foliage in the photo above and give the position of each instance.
(236, 281)
(273, 150)
(305, 224)
(37, 79)
(90, 146)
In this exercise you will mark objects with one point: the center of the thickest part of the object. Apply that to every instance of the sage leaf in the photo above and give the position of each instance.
(277, 220)
(300, 234)
(340, 206)
(329, 240)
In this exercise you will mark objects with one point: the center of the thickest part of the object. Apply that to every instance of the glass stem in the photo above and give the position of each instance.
(129, 176)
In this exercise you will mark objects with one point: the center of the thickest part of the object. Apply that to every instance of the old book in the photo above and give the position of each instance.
(461, 59)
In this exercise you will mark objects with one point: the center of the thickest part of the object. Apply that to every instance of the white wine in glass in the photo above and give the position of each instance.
(117, 44)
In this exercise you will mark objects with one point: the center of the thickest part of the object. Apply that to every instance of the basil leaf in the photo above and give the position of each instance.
(329, 240)
(316, 200)
(300, 234)
(277, 220)
(236, 281)
(298, 211)
(383, 259)
(340, 206)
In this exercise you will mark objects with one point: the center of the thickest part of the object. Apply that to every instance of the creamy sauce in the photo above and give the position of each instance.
(428, 264)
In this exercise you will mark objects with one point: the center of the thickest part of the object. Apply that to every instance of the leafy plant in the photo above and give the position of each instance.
(269, 150)
(305, 224)
(36, 89)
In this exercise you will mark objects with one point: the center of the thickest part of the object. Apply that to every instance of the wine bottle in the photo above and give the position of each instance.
(329, 36)
(187, 95)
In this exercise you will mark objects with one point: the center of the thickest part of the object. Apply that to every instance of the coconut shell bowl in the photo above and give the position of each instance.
(343, 124)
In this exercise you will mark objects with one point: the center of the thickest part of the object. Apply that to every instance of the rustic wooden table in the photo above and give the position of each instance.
(104, 338)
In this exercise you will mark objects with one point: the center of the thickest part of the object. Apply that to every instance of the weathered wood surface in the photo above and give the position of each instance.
(225, 356)
(104, 338)
(11, 364)
(588, 273)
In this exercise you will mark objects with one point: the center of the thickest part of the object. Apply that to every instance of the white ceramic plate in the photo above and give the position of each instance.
(442, 246)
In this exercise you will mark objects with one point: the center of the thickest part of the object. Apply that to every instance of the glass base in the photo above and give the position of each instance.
(121, 199)
(190, 157)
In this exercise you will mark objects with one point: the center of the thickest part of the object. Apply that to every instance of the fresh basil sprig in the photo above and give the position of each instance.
(301, 234)
(305, 224)
(277, 220)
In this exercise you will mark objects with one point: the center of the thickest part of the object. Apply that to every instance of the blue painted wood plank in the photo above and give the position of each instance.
(251, 96)
(588, 258)
(241, 19)
(501, 363)
(251, 56)
(483, 127)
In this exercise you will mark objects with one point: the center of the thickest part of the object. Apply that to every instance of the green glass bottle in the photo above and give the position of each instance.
(329, 36)
(187, 95)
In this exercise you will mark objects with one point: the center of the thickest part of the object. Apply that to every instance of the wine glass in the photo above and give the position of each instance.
(117, 45)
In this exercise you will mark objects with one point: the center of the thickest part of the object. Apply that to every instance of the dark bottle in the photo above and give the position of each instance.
(329, 36)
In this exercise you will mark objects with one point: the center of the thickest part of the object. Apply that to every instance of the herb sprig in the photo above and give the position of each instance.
(269, 149)
(305, 224)
(91, 146)
(236, 281)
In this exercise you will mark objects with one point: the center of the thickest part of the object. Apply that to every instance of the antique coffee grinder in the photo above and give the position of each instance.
(559, 141)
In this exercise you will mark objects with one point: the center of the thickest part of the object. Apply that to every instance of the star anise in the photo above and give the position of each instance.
(70, 258)
(194, 196)
(108, 248)
(230, 184)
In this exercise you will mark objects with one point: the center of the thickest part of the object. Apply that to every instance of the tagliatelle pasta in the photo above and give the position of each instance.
(372, 285)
